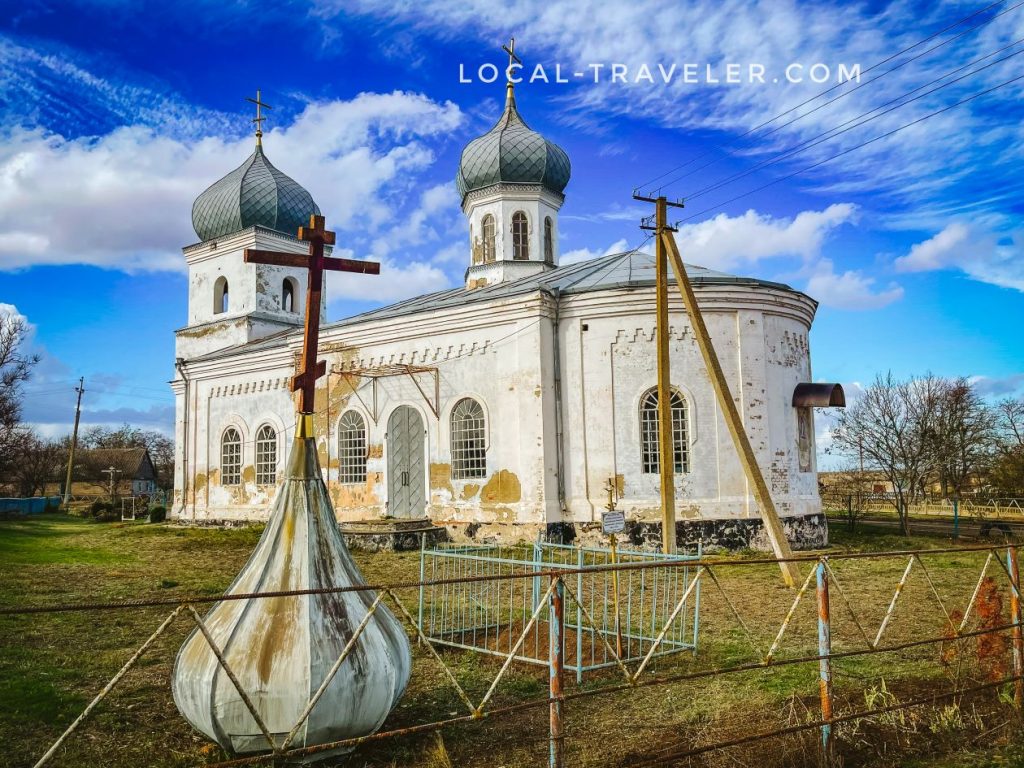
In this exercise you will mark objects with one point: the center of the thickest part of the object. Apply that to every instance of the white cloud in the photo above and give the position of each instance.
(937, 252)
(123, 200)
(585, 254)
(850, 289)
(982, 253)
(731, 242)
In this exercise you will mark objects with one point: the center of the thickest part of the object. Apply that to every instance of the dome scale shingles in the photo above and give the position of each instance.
(254, 194)
(511, 152)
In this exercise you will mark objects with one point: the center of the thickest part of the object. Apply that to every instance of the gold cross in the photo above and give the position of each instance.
(259, 117)
(510, 49)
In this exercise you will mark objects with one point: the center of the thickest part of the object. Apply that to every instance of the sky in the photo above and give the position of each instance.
(867, 153)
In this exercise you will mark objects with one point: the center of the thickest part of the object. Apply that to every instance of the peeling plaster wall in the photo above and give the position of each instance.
(501, 353)
(610, 361)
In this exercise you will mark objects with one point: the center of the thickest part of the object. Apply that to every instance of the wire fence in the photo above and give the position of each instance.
(869, 616)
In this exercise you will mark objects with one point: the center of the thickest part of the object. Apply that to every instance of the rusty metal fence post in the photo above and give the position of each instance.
(825, 662)
(555, 663)
(1015, 619)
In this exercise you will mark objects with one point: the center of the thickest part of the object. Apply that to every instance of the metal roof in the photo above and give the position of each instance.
(254, 194)
(626, 270)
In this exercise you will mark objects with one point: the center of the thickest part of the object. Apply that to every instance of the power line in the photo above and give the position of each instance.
(823, 137)
(843, 95)
(857, 146)
(839, 85)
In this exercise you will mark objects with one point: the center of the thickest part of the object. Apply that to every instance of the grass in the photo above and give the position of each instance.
(51, 665)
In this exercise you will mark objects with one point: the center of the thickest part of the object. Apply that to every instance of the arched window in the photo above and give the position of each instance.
(266, 455)
(487, 228)
(649, 447)
(288, 292)
(549, 244)
(469, 445)
(220, 295)
(352, 448)
(231, 457)
(520, 236)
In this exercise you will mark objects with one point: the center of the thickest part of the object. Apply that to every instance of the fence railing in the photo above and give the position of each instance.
(555, 578)
(967, 507)
(607, 622)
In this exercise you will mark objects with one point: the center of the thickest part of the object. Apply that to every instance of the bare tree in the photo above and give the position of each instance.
(1006, 472)
(15, 369)
(39, 463)
(892, 423)
(963, 437)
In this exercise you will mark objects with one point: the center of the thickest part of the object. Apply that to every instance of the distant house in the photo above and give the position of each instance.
(853, 481)
(134, 474)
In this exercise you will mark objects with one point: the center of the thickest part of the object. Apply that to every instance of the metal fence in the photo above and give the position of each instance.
(609, 619)
(33, 505)
(556, 576)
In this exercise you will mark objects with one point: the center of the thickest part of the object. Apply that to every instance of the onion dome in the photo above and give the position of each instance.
(254, 194)
(512, 153)
(324, 666)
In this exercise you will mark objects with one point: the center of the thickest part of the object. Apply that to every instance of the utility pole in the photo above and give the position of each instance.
(666, 443)
(74, 440)
(113, 473)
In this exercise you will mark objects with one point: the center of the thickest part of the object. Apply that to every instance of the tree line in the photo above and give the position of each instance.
(931, 435)
(30, 462)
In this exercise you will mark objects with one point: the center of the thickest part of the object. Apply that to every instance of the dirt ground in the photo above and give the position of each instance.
(51, 665)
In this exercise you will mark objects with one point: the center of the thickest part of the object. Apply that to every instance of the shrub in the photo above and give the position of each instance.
(98, 507)
(157, 514)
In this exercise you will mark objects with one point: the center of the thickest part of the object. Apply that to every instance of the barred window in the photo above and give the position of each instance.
(549, 245)
(469, 459)
(352, 447)
(231, 457)
(649, 447)
(266, 455)
(487, 227)
(520, 235)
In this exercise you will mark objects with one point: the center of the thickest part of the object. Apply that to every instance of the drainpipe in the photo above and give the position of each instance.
(179, 364)
(557, 372)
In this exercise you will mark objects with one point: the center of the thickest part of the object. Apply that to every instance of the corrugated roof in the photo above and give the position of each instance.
(129, 461)
(628, 269)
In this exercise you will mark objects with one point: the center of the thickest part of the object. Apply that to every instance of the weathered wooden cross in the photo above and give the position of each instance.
(317, 237)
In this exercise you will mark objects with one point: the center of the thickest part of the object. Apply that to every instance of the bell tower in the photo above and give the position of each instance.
(231, 302)
(511, 183)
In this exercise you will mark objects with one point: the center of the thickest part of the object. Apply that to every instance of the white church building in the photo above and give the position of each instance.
(499, 409)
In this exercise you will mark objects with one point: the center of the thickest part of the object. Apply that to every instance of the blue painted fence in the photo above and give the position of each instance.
(31, 506)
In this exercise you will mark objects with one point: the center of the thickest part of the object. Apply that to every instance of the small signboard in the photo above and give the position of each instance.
(613, 521)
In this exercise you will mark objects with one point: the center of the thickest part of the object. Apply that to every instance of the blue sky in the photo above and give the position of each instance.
(116, 115)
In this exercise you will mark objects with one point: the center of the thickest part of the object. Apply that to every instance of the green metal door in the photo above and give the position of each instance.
(406, 465)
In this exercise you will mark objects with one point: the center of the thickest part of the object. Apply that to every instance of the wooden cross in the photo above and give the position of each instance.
(317, 237)
(510, 49)
(259, 117)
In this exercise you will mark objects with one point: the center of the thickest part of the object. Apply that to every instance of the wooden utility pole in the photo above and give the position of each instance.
(769, 516)
(317, 236)
(666, 444)
(74, 440)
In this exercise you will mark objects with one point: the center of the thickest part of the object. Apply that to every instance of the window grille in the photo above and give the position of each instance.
(520, 234)
(231, 458)
(487, 226)
(649, 447)
(352, 448)
(266, 455)
(469, 459)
